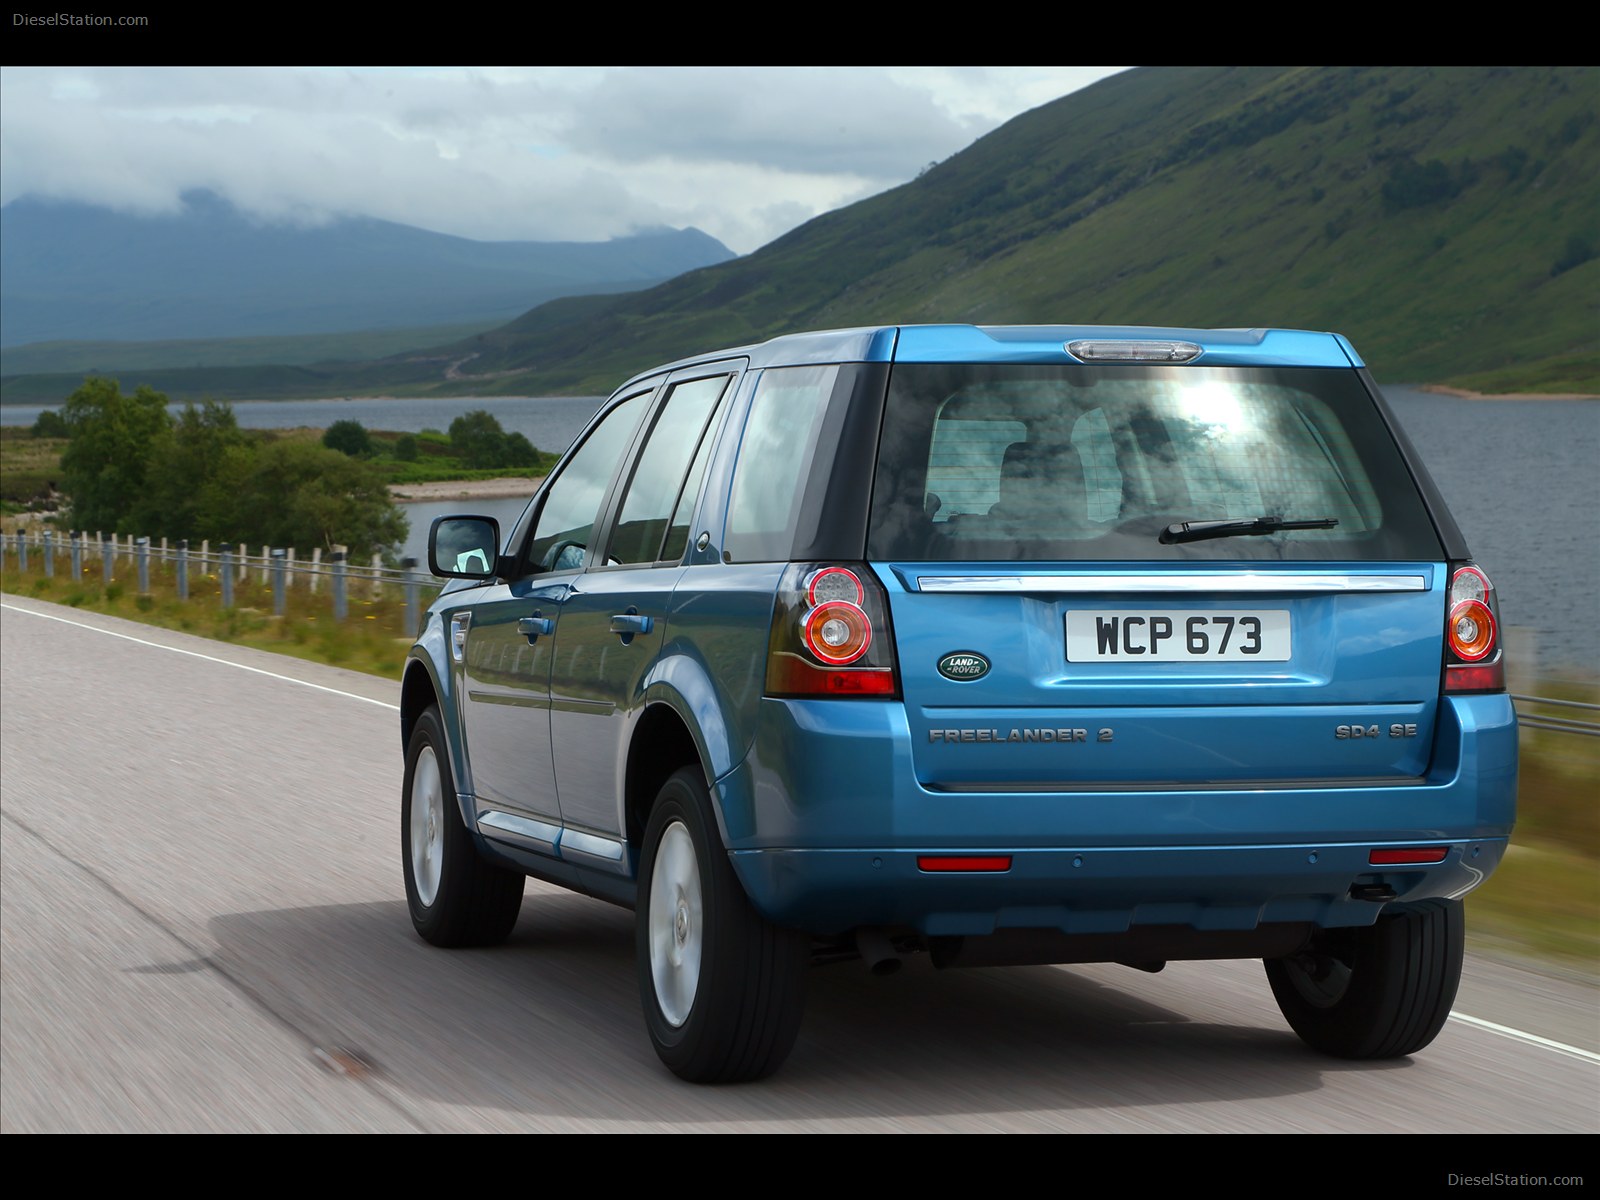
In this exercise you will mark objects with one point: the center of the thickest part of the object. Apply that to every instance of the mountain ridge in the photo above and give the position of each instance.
(79, 272)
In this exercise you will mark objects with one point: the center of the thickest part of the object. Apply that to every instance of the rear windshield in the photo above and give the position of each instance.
(983, 463)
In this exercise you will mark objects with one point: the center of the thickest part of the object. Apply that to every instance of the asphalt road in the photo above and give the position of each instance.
(204, 928)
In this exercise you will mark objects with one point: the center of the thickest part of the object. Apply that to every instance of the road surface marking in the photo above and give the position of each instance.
(1523, 1036)
(208, 657)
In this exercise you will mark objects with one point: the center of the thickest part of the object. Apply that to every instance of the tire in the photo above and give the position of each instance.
(1379, 992)
(456, 897)
(723, 988)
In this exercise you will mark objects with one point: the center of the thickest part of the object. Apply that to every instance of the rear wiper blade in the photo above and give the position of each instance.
(1199, 531)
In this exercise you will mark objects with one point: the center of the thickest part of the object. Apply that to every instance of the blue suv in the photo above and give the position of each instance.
(1001, 645)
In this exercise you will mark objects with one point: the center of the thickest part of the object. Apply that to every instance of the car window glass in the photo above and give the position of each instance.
(659, 475)
(984, 461)
(572, 502)
(1102, 479)
(779, 440)
(678, 532)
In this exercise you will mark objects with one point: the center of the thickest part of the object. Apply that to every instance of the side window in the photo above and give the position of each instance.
(572, 503)
(779, 440)
(659, 476)
(678, 532)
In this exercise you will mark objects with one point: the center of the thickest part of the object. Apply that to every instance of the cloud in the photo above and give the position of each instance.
(538, 153)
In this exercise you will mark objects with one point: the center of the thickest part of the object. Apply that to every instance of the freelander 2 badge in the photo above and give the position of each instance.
(963, 665)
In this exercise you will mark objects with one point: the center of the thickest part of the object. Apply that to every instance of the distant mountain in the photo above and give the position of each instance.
(76, 272)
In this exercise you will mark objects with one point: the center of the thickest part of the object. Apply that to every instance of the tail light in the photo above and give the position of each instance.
(830, 634)
(1473, 660)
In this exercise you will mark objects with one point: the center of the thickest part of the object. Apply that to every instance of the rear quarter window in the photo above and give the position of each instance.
(780, 438)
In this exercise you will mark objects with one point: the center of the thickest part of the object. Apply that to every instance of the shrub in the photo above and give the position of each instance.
(348, 437)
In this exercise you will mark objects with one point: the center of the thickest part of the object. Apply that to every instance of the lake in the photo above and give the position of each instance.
(1521, 477)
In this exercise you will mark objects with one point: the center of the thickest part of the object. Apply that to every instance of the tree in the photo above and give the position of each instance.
(184, 459)
(51, 424)
(405, 447)
(479, 439)
(103, 467)
(348, 437)
(301, 494)
(519, 451)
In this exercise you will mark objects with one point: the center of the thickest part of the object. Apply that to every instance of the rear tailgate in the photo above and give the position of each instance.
(1146, 575)
(1081, 680)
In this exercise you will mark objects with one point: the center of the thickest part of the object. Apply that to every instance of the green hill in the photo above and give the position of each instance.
(1423, 212)
(1447, 219)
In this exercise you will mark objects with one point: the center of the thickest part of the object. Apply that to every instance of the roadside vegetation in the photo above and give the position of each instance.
(120, 463)
(476, 447)
(371, 638)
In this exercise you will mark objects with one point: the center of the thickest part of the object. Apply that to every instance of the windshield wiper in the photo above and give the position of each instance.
(1199, 531)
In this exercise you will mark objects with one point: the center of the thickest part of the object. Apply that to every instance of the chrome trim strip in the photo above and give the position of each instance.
(998, 787)
(1216, 583)
(493, 823)
(588, 843)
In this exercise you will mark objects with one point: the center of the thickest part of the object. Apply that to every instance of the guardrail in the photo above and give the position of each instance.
(281, 567)
(1556, 724)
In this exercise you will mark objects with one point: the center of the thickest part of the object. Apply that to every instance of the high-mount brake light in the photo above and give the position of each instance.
(1474, 661)
(1134, 351)
(830, 634)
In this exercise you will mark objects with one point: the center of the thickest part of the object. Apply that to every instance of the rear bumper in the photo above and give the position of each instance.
(1100, 890)
(825, 821)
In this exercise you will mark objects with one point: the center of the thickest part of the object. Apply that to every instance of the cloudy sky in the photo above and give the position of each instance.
(557, 153)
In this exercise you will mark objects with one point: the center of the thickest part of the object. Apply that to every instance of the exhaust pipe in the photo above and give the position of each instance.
(877, 951)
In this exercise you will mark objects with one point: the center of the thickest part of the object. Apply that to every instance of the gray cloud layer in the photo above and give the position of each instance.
(539, 153)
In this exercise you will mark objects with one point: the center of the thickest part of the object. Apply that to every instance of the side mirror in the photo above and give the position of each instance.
(463, 547)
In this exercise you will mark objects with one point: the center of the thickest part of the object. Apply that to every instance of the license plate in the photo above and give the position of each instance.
(1178, 635)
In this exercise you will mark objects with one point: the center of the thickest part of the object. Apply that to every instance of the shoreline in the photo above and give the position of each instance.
(1442, 389)
(505, 487)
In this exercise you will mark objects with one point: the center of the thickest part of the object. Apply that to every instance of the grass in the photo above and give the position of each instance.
(1543, 901)
(372, 638)
(94, 358)
(28, 465)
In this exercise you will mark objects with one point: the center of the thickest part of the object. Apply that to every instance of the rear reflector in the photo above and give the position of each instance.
(1407, 854)
(1485, 677)
(790, 675)
(964, 862)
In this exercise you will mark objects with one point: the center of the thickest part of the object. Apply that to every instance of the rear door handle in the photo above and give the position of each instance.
(629, 623)
(532, 627)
